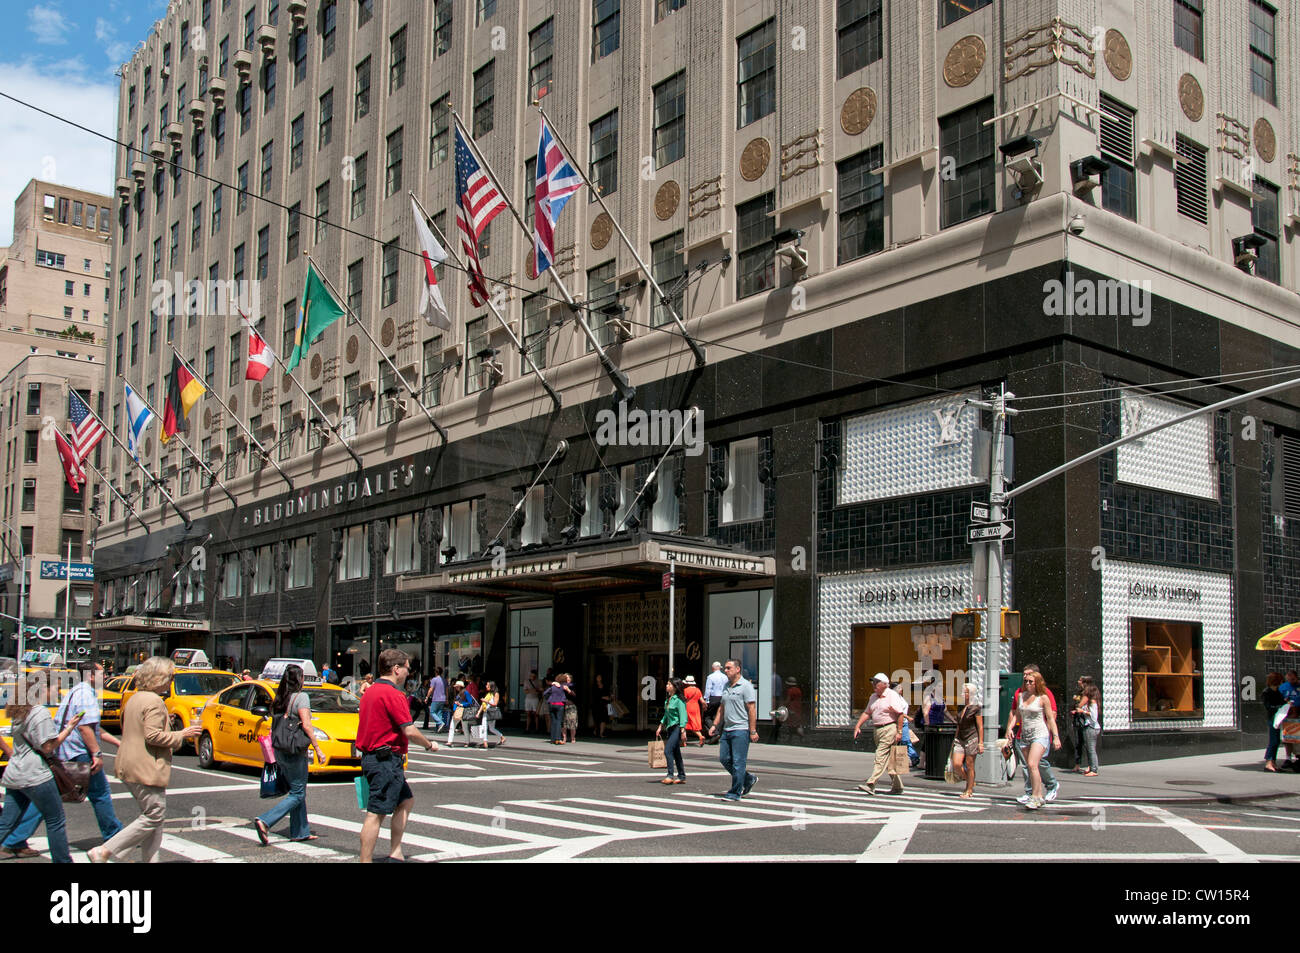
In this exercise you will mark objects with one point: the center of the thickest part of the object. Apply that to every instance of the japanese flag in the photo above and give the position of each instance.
(431, 304)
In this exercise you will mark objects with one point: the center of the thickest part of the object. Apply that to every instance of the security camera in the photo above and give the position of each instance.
(1077, 224)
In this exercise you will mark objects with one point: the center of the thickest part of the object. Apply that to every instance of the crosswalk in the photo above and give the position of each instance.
(570, 827)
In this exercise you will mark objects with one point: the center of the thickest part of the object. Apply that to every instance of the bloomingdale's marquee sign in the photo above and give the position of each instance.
(316, 500)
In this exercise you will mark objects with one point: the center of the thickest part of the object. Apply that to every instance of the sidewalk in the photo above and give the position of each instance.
(1229, 777)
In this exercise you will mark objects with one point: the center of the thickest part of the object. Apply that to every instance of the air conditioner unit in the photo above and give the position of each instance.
(621, 329)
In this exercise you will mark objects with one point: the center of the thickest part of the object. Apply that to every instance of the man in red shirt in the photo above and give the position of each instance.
(1051, 786)
(382, 732)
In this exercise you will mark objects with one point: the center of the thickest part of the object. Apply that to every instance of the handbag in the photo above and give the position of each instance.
(611, 710)
(658, 759)
(287, 734)
(949, 774)
(71, 777)
(274, 783)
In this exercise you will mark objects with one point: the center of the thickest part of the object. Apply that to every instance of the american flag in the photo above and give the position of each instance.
(86, 428)
(477, 203)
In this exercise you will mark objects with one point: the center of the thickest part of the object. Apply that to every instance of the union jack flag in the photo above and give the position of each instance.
(477, 203)
(557, 180)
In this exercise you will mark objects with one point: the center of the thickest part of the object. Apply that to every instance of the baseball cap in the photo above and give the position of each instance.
(880, 677)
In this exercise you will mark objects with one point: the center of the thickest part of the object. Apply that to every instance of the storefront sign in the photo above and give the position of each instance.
(712, 561)
(49, 633)
(510, 569)
(940, 592)
(313, 501)
(149, 624)
(53, 569)
(1151, 591)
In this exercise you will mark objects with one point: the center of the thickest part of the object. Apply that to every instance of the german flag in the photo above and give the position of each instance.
(182, 394)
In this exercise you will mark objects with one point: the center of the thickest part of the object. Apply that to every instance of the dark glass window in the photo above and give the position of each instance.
(1116, 139)
(858, 34)
(670, 120)
(1188, 16)
(861, 205)
(1263, 64)
(756, 74)
(757, 259)
(484, 94)
(603, 168)
(965, 140)
(604, 27)
(950, 11)
(1265, 219)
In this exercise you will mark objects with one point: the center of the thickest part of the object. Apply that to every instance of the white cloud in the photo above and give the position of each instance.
(40, 147)
(48, 24)
(106, 33)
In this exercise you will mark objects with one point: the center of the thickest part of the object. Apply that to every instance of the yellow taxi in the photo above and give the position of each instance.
(186, 695)
(234, 719)
(110, 702)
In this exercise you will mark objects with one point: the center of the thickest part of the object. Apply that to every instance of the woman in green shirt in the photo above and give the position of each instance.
(674, 720)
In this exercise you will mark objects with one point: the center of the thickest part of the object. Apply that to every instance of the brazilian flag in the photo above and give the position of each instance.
(318, 310)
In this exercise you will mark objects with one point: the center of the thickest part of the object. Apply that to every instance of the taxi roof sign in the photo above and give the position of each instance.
(190, 658)
(273, 670)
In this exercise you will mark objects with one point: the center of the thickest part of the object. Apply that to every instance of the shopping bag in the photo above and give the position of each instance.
(478, 732)
(901, 762)
(268, 749)
(656, 753)
(949, 774)
(611, 711)
(1291, 731)
(270, 781)
(1282, 712)
(363, 792)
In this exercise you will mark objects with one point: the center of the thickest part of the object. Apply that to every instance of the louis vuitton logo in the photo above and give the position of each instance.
(946, 418)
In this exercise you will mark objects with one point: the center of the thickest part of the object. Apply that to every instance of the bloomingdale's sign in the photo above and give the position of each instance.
(315, 500)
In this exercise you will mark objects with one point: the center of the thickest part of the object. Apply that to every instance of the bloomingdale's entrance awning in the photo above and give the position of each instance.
(621, 565)
(119, 626)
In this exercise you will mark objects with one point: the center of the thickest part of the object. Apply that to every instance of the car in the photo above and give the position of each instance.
(110, 702)
(188, 692)
(234, 719)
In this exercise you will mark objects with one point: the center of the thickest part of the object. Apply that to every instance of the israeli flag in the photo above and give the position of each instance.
(138, 416)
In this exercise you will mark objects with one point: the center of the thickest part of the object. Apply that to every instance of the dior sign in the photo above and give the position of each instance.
(312, 501)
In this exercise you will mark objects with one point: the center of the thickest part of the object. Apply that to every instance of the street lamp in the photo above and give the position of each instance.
(21, 618)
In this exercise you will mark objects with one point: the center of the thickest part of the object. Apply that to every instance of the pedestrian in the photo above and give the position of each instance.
(887, 712)
(328, 675)
(384, 729)
(1089, 711)
(543, 709)
(1273, 700)
(144, 762)
(736, 724)
(291, 735)
(366, 681)
(490, 708)
(553, 703)
(600, 699)
(436, 700)
(570, 710)
(532, 701)
(415, 694)
(1051, 786)
(1036, 716)
(1290, 689)
(462, 707)
(713, 687)
(693, 698)
(969, 740)
(28, 779)
(245, 676)
(674, 720)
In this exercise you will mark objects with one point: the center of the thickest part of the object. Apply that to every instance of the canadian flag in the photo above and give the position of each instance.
(431, 304)
(260, 357)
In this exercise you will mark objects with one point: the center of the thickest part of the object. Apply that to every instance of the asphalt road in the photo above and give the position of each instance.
(591, 802)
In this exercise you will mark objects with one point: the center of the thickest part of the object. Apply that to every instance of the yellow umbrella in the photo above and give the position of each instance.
(1286, 638)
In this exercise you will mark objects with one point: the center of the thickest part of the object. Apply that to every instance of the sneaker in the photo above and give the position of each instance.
(1034, 803)
(730, 797)
(1051, 793)
(749, 785)
(1023, 799)
(869, 788)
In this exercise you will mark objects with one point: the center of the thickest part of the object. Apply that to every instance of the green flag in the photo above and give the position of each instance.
(318, 310)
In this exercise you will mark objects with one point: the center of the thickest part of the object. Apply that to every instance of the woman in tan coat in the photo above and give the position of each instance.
(144, 762)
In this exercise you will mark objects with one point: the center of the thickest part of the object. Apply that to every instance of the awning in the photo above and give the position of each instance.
(623, 565)
(158, 624)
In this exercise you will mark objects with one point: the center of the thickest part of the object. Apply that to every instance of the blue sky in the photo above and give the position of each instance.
(62, 55)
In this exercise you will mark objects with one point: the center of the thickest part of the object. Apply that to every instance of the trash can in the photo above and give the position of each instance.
(938, 749)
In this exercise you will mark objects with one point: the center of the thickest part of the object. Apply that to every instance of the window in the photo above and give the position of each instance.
(403, 546)
(483, 10)
(30, 443)
(530, 183)
(604, 27)
(157, 263)
(291, 232)
(354, 560)
(397, 61)
(268, 86)
(743, 497)
(665, 7)
(600, 294)
(196, 225)
(593, 518)
(441, 27)
(861, 208)
(324, 129)
(322, 211)
(439, 131)
(431, 372)
(484, 92)
(362, 103)
(1263, 66)
(603, 168)
(29, 500)
(77, 209)
(388, 390)
(670, 120)
(205, 454)
(665, 516)
(153, 335)
(1264, 217)
(263, 570)
(388, 285)
(285, 436)
(268, 166)
(33, 399)
(295, 143)
(329, 17)
(118, 352)
(668, 265)
(858, 34)
(756, 74)
(536, 330)
(627, 494)
(216, 209)
(314, 431)
(541, 52)
(244, 106)
(209, 363)
(223, 55)
(1116, 139)
(232, 452)
(263, 250)
(1191, 187)
(173, 248)
(70, 287)
(1166, 656)
(359, 187)
(300, 563)
(965, 139)
(230, 577)
(299, 47)
(50, 259)
(356, 280)
(393, 166)
(351, 393)
(241, 187)
(534, 528)
(135, 342)
(218, 132)
(235, 375)
(1188, 36)
(754, 229)
(460, 524)
(476, 340)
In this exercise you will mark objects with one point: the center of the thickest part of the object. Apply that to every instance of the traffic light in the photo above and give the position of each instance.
(966, 625)
(1010, 624)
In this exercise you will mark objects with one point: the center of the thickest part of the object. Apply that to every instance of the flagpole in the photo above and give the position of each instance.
(659, 292)
(185, 446)
(366, 331)
(67, 599)
(315, 406)
(145, 470)
(625, 390)
(125, 502)
(491, 307)
(257, 443)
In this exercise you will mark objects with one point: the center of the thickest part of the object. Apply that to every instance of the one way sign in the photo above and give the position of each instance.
(981, 532)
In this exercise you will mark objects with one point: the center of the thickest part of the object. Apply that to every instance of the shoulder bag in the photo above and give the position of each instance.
(287, 734)
(71, 777)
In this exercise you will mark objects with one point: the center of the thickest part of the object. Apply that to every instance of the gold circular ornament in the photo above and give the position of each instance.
(1191, 98)
(964, 61)
(601, 230)
(858, 111)
(234, 403)
(387, 333)
(257, 393)
(1119, 58)
(1265, 139)
(667, 199)
(755, 158)
(353, 347)
(316, 365)
(285, 383)
(207, 418)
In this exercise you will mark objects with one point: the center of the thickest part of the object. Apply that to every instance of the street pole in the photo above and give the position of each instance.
(672, 602)
(67, 600)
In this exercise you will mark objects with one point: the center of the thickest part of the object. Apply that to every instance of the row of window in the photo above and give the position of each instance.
(1189, 35)
(74, 212)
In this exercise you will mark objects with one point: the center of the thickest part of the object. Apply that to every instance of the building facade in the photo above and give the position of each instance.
(865, 213)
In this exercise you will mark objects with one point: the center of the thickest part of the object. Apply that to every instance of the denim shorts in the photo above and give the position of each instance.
(1045, 743)
(387, 780)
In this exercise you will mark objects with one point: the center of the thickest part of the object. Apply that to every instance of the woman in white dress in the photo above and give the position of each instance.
(1037, 730)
